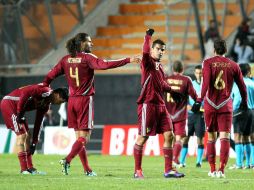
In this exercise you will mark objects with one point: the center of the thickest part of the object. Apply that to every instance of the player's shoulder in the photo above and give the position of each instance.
(43, 90)
(89, 54)
(188, 78)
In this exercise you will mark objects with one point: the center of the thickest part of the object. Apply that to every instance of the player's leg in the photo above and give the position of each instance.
(22, 154)
(147, 115)
(179, 131)
(80, 112)
(9, 114)
(252, 139)
(211, 153)
(252, 149)
(224, 125)
(184, 152)
(200, 133)
(185, 148)
(238, 150)
(83, 154)
(212, 127)
(138, 154)
(247, 150)
(166, 127)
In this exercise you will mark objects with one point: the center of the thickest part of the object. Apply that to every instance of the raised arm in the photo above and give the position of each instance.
(99, 64)
(146, 48)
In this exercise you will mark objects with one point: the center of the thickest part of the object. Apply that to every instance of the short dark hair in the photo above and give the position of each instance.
(178, 66)
(158, 41)
(63, 92)
(220, 46)
(245, 69)
(198, 67)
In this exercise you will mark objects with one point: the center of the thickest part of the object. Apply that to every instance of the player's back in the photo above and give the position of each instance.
(183, 85)
(79, 76)
(219, 74)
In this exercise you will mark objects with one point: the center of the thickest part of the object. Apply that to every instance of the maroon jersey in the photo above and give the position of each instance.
(219, 74)
(31, 97)
(183, 85)
(152, 78)
(79, 72)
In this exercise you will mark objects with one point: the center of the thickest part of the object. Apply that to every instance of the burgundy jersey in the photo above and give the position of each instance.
(152, 78)
(31, 97)
(219, 74)
(79, 72)
(183, 85)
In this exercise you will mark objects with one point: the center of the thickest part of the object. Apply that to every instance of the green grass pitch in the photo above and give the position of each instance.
(116, 172)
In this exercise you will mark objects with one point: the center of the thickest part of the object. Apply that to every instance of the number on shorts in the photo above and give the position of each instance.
(219, 82)
(75, 75)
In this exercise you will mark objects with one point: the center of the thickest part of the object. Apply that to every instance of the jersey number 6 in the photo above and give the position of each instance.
(219, 83)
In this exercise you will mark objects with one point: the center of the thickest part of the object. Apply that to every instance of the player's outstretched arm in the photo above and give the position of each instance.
(135, 59)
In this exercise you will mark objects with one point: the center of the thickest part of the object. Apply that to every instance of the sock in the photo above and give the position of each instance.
(224, 153)
(29, 160)
(138, 150)
(168, 156)
(76, 148)
(252, 153)
(200, 153)
(176, 151)
(247, 150)
(239, 152)
(184, 153)
(211, 155)
(83, 158)
(22, 160)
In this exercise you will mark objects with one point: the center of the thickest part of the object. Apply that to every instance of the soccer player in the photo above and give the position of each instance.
(15, 104)
(196, 123)
(78, 67)
(153, 117)
(244, 122)
(219, 74)
(178, 110)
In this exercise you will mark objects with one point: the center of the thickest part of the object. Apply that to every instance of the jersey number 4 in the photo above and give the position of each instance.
(219, 82)
(74, 75)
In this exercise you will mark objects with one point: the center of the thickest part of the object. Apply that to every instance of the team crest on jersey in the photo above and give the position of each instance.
(74, 60)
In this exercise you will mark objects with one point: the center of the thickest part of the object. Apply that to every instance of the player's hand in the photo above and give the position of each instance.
(196, 107)
(150, 31)
(243, 106)
(32, 148)
(21, 118)
(135, 59)
(177, 97)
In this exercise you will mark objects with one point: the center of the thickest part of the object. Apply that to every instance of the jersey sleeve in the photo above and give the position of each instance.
(53, 73)
(240, 83)
(25, 94)
(99, 64)
(191, 90)
(166, 87)
(205, 81)
(38, 124)
(146, 62)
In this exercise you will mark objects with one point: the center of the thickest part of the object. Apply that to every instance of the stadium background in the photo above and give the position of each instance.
(44, 26)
